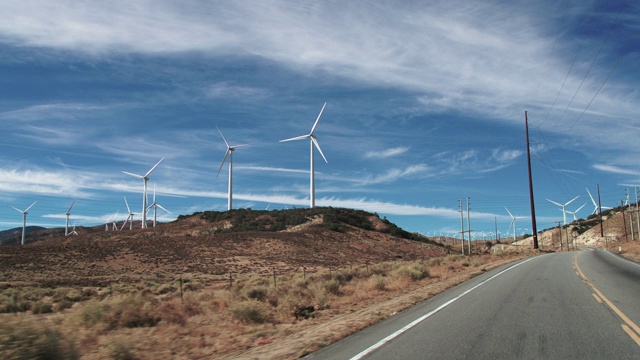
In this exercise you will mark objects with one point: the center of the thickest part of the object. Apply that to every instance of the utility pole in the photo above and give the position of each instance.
(469, 223)
(533, 207)
(637, 213)
(624, 221)
(461, 223)
(560, 232)
(600, 215)
(630, 215)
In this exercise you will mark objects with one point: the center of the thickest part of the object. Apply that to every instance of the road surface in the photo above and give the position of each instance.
(572, 305)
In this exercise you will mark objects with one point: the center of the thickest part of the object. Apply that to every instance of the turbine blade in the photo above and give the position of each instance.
(134, 175)
(592, 200)
(318, 119)
(509, 212)
(580, 208)
(74, 201)
(301, 137)
(315, 142)
(27, 209)
(223, 160)
(553, 202)
(153, 168)
(225, 140)
(18, 210)
(127, 203)
(572, 200)
(160, 206)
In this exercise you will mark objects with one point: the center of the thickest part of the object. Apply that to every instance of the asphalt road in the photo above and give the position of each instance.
(574, 305)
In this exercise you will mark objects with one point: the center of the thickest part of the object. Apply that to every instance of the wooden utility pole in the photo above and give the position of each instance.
(533, 207)
(600, 215)
(461, 223)
(624, 222)
(469, 223)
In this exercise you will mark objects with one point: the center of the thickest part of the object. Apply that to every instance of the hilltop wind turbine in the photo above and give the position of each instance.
(564, 208)
(24, 219)
(73, 232)
(145, 178)
(229, 152)
(313, 142)
(155, 206)
(596, 208)
(513, 223)
(575, 213)
(129, 217)
(66, 227)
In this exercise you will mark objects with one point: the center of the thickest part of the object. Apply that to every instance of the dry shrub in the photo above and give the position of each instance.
(120, 348)
(41, 308)
(256, 292)
(251, 311)
(376, 282)
(177, 312)
(165, 289)
(414, 271)
(435, 261)
(332, 286)
(31, 340)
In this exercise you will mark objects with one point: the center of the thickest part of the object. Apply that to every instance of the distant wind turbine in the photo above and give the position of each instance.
(155, 205)
(24, 219)
(564, 208)
(129, 217)
(575, 213)
(596, 208)
(313, 142)
(229, 152)
(66, 228)
(145, 178)
(73, 232)
(512, 224)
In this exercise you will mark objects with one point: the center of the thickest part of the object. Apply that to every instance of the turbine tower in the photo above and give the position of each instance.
(513, 223)
(564, 208)
(155, 205)
(313, 142)
(129, 217)
(66, 227)
(24, 220)
(229, 152)
(145, 178)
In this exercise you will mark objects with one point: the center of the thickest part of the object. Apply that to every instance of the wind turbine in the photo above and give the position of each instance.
(66, 228)
(73, 232)
(24, 219)
(575, 213)
(564, 208)
(229, 152)
(155, 206)
(145, 178)
(115, 226)
(313, 142)
(513, 223)
(129, 218)
(596, 208)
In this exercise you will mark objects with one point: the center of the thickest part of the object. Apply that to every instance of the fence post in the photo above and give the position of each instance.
(274, 278)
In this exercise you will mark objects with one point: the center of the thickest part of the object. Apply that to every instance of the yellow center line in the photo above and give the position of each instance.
(597, 298)
(629, 324)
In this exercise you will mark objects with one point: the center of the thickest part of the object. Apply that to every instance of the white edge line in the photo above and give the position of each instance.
(621, 258)
(415, 322)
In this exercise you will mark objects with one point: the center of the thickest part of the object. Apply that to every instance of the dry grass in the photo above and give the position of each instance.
(152, 320)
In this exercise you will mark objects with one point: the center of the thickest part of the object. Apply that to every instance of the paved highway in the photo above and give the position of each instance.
(574, 305)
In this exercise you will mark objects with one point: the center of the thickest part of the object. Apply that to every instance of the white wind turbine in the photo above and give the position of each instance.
(24, 220)
(129, 217)
(113, 223)
(313, 142)
(596, 208)
(564, 208)
(73, 232)
(229, 152)
(513, 223)
(66, 228)
(155, 207)
(145, 178)
(575, 213)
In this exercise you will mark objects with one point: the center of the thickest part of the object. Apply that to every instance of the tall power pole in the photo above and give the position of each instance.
(469, 223)
(533, 207)
(600, 215)
(461, 224)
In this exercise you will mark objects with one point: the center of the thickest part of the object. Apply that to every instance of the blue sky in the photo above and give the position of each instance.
(425, 106)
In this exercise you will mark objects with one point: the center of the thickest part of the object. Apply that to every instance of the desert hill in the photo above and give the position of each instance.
(213, 243)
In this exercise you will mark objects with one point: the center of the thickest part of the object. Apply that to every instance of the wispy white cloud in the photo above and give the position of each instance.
(228, 90)
(383, 154)
(615, 169)
(394, 175)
